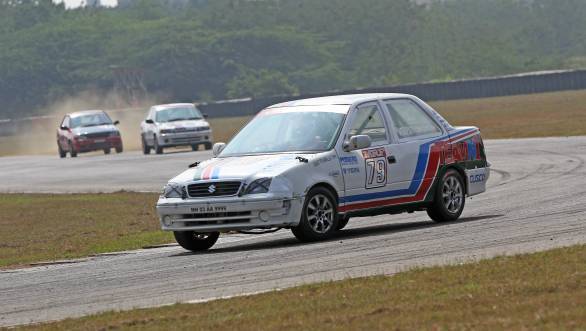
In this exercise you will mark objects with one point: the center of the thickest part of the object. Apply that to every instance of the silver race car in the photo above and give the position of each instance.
(311, 165)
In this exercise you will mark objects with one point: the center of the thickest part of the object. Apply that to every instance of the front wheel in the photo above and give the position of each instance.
(62, 153)
(158, 149)
(194, 147)
(449, 199)
(146, 149)
(72, 150)
(319, 219)
(194, 241)
(208, 146)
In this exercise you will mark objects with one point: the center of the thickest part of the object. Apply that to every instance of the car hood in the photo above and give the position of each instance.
(95, 129)
(183, 124)
(244, 167)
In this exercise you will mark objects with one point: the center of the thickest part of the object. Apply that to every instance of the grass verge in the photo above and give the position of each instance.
(49, 227)
(542, 291)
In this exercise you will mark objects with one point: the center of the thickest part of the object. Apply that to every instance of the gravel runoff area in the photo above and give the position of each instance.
(535, 201)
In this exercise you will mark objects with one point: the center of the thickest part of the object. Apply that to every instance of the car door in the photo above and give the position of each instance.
(365, 171)
(416, 152)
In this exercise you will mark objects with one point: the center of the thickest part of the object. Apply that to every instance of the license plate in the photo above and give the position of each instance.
(97, 141)
(208, 209)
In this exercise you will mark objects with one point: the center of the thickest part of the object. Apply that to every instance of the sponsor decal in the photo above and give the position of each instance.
(350, 171)
(321, 160)
(348, 160)
(374, 153)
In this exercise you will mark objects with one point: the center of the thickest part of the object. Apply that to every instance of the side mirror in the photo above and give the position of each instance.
(63, 127)
(116, 122)
(205, 115)
(357, 142)
(149, 121)
(218, 148)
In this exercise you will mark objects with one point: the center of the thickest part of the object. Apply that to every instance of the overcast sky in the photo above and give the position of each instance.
(76, 3)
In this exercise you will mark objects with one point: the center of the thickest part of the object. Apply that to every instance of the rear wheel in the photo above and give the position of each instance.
(158, 149)
(146, 149)
(119, 149)
(449, 199)
(196, 242)
(320, 216)
(72, 150)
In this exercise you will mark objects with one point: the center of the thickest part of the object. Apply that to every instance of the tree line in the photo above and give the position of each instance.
(210, 50)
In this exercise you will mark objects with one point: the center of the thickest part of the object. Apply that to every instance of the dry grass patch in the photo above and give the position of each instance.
(545, 291)
(39, 227)
(521, 116)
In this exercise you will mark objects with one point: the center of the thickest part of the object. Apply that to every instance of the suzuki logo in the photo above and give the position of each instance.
(212, 188)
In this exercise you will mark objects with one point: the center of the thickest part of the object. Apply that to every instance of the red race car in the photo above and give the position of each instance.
(87, 131)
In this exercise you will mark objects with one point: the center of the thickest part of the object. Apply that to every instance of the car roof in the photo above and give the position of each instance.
(346, 99)
(85, 112)
(172, 105)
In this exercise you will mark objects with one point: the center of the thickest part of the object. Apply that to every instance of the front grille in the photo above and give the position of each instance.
(214, 189)
(97, 135)
(186, 140)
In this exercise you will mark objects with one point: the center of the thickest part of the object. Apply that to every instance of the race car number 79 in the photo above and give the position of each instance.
(376, 167)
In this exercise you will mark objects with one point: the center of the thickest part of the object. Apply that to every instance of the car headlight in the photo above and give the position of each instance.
(203, 128)
(174, 190)
(260, 185)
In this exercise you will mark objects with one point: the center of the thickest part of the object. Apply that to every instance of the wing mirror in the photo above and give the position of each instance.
(64, 128)
(149, 121)
(218, 148)
(205, 115)
(357, 142)
(116, 122)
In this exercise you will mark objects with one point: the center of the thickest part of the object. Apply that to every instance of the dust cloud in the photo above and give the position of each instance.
(39, 135)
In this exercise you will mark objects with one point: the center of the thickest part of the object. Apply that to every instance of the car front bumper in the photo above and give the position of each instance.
(228, 214)
(185, 138)
(90, 144)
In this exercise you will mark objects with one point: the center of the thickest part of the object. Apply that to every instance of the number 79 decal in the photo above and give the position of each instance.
(375, 167)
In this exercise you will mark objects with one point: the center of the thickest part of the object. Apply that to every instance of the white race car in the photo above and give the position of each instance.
(310, 165)
(172, 125)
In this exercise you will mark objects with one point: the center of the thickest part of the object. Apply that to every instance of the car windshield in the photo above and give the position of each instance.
(90, 120)
(288, 131)
(178, 114)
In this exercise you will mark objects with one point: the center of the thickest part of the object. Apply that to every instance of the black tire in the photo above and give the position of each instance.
(343, 221)
(449, 199)
(158, 149)
(72, 150)
(194, 147)
(321, 221)
(62, 153)
(106, 151)
(146, 149)
(196, 242)
(208, 146)
(119, 149)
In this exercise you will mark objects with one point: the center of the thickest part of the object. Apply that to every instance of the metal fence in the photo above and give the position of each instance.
(527, 83)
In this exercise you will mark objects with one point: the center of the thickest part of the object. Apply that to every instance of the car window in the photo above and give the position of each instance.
(178, 114)
(410, 121)
(369, 121)
(94, 119)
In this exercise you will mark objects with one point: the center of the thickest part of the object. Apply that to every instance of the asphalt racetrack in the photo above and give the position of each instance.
(536, 200)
